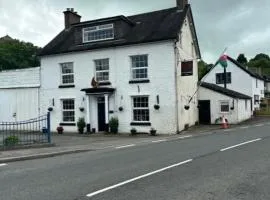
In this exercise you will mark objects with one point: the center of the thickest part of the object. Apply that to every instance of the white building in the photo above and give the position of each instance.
(19, 94)
(239, 79)
(216, 102)
(140, 62)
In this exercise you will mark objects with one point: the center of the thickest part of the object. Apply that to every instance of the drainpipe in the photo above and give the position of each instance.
(176, 53)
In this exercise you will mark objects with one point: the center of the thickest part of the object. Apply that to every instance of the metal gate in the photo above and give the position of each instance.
(29, 132)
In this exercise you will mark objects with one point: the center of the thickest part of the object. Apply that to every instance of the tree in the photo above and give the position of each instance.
(15, 54)
(261, 56)
(261, 62)
(203, 68)
(242, 59)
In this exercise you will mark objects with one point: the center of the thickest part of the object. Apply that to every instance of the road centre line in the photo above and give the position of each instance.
(237, 145)
(259, 125)
(125, 146)
(156, 141)
(187, 136)
(243, 127)
(3, 164)
(137, 178)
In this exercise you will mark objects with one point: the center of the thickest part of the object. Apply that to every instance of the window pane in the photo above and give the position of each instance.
(101, 32)
(68, 116)
(102, 64)
(139, 73)
(140, 115)
(67, 68)
(139, 61)
(68, 79)
(68, 104)
(102, 76)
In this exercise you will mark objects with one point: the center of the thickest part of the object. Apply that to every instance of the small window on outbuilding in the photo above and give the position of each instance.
(224, 106)
(187, 68)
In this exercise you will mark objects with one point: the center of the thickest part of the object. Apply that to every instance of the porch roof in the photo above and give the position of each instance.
(98, 90)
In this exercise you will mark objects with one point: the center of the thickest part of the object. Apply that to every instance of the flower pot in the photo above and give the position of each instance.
(50, 109)
(153, 132)
(80, 130)
(81, 109)
(186, 107)
(60, 130)
(156, 106)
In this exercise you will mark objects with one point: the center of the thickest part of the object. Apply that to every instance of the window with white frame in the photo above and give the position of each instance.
(67, 73)
(98, 33)
(140, 109)
(68, 110)
(224, 106)
(139, 67)
(102, 70)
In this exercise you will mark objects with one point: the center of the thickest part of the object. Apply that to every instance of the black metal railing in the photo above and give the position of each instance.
(29, 132)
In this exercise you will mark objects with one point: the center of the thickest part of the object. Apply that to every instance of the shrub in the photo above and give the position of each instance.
(133, 131)
(186, 126)
(81, 124)
(114, 123)
(11, 140)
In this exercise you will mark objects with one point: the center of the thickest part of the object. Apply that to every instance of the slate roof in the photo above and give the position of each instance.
(224, 91)
(147, 27)
(244, 68)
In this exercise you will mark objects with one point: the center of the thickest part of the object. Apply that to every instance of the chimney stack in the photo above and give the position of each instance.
(71, 17)
(181, 4)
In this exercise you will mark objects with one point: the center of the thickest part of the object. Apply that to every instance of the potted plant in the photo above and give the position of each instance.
(81, 109)
(114, 123)
(156, 106)
(133, 131)
(60, 129)
(81, 125)
(153, 131)
(50, 109)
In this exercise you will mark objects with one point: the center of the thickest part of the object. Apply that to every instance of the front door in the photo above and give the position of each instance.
(101, 114)
(204, 112)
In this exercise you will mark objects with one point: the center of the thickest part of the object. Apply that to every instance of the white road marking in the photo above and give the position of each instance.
(137, 178)
(227, 130)
(3, 164)
(259, 125)
(187, 136)
(155, 141)
(125, 146)
(243, 127)
(237, 145)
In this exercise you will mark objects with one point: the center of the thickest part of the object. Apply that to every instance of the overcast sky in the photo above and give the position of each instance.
(241, 25)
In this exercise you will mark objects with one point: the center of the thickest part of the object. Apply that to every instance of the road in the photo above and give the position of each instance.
(228, 165)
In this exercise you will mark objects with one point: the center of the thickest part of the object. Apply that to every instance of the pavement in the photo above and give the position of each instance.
(230, 164)
(77, 143)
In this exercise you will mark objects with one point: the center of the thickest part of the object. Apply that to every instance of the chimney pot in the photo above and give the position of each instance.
(181, 4)
(71, 17)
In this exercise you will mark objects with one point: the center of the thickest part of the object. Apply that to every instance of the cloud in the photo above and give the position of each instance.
(240, 25)
(35, 21)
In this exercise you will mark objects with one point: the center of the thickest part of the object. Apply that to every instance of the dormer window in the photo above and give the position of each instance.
(98, 33)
